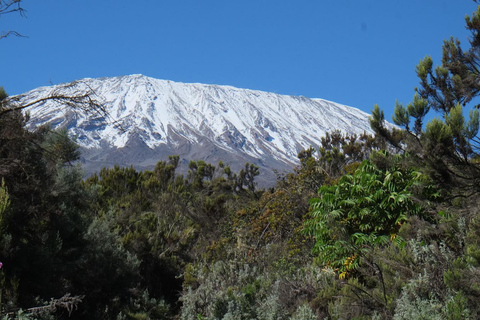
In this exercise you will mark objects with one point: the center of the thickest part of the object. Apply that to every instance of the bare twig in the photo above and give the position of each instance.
(66, 302)
(70, 95)
(5, 34)
(11, 6)
(77, 96)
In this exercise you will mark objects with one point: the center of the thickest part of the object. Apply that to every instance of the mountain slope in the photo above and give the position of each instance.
(150, 119)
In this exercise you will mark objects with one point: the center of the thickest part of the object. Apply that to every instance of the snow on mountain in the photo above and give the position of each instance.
(191, 119)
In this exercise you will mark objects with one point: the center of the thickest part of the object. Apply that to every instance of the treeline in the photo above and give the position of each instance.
(366, 227)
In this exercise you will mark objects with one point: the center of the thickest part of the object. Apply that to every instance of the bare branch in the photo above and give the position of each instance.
(71, 95)
(77, 96)
(4, 34)
(66, 302)
(9, 6)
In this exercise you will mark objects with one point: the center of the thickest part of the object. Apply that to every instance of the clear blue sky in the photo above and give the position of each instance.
(357, 53)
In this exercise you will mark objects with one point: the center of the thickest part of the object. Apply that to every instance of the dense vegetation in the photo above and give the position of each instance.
(366, 227)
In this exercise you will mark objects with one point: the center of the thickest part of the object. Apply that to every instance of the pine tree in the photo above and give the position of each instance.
(447, 146)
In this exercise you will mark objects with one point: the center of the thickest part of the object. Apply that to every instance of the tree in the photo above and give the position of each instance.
(246, 177)
(447, 147)
(457, 79)
(44, 211)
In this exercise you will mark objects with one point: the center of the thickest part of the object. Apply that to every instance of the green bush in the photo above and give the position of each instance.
(360, 211)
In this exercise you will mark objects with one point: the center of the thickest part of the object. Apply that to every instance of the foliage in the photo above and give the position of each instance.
(167, 220)
(235, 290)
(362, 210)
(304, 312)
(43, 225)
(147, 308)
(4, 201)
(410, 305)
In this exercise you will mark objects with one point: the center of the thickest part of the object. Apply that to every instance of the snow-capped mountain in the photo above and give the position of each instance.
(149, 119)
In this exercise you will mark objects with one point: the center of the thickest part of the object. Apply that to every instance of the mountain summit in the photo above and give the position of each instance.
(149, 119)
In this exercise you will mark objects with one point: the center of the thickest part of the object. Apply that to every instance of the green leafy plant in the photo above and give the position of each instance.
(361, 210)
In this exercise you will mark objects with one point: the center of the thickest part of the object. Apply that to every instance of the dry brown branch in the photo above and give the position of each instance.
(66, 302)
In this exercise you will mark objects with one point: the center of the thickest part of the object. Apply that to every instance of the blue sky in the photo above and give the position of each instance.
(357, 53)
